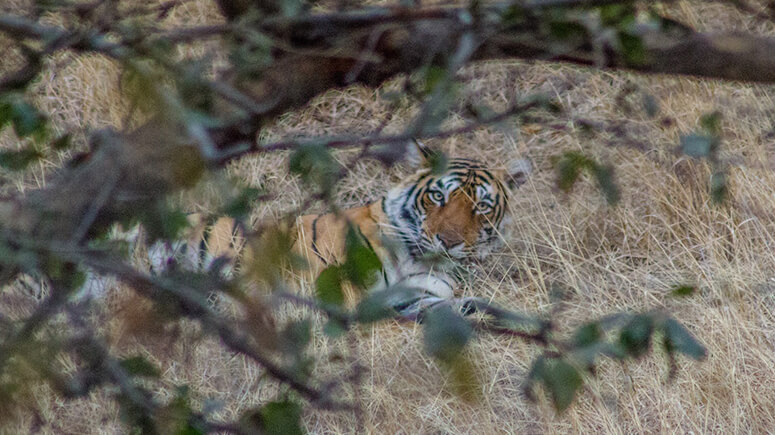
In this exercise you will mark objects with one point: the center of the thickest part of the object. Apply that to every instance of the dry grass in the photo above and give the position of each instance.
(664, 232)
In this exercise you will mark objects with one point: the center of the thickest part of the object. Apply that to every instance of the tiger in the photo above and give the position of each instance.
(455, 213)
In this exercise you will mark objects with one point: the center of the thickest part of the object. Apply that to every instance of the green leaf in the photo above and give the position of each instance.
(587, 335)
(711, 123)
(18, 160)
(62, 143)
(163, 222)
(682, 340)
(26, 119)
(334, 328)
(569, 32)
(650, 105)
(296, 335)
(615, 14)
(6, 113)
(696, 145)
(329, 286)
(316, 166)
(241, 206)
(683, 290)
(560, 379)
(569, 167)
(434, 76)
(379, 305)
(445, 333)
(635, 336)
(362, 265)
(281, 418)
(437, 161)
(139, 366)
(605, 180)
(633, 49)
(718, 187)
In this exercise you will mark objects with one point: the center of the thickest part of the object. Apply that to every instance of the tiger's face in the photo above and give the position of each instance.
(458, 212)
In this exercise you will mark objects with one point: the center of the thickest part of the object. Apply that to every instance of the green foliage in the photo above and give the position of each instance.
(437, 161)
(718, 187)
(23, 116)
(560, 380)
(618, 336)
(362, 265)
(570, 165)
(19, 160)
(706, 144)
(281, 418)
(161, 221)
(678, 338)
(316, 167)
(445, 333)
(62, 142)
(140, 366)
(240, 206)
(650, 105)
(683, 290)
(696, 145)
(635, 337)
(329, 286)
(379, 305)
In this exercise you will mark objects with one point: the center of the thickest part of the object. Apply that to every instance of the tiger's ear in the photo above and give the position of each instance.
(517, 173)
(417, 154)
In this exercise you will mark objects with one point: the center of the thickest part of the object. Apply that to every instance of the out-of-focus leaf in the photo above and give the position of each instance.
(6, 112)
(650, 105)
(334, 328)
(587, 334)
(18, 160)
(569, 167)
(635, 336)
(163, 222)
(380, 304)
(682, 340)
(711, 123)
(633, 49)
(718, 187)
(462, 378)
(560, 379)
(62, 143)
(139, 366)
(362, 265)
(281, 418)
(605, 180)
(696, 145)
(437, 161)
(240, 206)
(508, 319)
(445, 333)
(26, 119)
(316, 166)
(616, 14)
(329, 286)
(569, 33)
(296, 335)
(683, 290)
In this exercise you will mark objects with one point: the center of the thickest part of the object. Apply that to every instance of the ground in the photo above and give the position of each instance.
(665, 231)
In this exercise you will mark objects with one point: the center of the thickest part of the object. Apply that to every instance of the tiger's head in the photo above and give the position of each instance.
(458, 211)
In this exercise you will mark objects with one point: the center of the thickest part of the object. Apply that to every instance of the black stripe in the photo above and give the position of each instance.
(315, 239)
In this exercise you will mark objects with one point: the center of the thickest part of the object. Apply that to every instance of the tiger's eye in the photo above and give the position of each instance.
(436, 196)
(483, 207)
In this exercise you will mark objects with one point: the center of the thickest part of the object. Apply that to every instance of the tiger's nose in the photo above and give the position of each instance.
(449, 240)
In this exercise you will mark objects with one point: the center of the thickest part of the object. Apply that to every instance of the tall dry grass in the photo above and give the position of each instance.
(664, 232)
